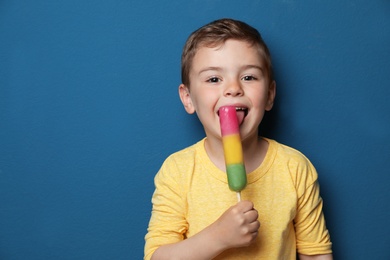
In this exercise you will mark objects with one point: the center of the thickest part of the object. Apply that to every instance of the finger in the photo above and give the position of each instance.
(254, 226)
(251, 215)
(254, 235)
(245, 205)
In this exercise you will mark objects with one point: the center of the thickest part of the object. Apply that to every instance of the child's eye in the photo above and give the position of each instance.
(213, 80)
(249, 77)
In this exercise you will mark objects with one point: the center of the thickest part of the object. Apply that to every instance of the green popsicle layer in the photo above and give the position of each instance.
(236, 176)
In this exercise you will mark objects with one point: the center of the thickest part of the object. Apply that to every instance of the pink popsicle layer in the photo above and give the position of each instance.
(229, 120)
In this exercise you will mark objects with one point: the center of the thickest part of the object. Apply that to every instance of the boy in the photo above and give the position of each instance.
(195, 215)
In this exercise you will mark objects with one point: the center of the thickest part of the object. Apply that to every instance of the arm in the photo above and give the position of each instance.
(316, 257)
(312, 236)
(237, 227)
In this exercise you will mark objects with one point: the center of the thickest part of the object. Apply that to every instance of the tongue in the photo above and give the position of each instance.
(240, 116)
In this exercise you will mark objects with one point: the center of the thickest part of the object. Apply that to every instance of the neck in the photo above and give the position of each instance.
(254, 149)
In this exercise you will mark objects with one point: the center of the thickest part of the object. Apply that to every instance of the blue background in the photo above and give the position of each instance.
(89, 110)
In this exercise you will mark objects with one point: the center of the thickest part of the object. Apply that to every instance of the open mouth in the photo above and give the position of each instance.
(242, 110)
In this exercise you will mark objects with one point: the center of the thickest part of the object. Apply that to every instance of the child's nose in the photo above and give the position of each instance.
(234, 89)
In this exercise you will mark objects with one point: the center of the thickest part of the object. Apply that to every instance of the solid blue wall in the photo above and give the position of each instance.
(89, 110)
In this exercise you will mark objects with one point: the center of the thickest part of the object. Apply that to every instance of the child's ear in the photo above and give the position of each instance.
(185, 98)
(271, 96)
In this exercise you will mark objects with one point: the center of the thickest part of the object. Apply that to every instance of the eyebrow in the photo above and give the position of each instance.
(245, 67)
(210, 68)
(253, 67)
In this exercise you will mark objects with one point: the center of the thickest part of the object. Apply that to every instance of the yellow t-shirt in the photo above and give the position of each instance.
(191, 193)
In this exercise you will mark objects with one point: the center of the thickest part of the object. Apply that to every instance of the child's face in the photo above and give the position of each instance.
(231, 74)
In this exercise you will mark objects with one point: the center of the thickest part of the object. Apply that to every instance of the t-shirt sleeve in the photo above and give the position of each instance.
(167, 223)
(312, 236)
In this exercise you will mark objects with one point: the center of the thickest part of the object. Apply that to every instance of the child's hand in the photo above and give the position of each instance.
(238, 226)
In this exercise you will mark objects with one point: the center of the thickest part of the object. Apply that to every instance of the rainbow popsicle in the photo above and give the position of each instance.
(234, 158)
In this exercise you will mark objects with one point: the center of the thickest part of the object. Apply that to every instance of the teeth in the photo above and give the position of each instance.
(242, 109)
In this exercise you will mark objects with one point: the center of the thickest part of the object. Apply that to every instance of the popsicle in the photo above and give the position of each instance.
(234, 158)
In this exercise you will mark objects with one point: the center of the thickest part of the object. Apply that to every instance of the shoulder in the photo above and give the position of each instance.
(286, 152)
(299, 167)
(184, 156)
(180, 164)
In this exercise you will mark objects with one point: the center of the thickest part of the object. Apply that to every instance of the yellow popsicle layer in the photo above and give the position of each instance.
(233, 149)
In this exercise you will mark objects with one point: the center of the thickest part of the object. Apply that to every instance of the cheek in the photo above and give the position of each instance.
(207, 96)
(257, 96)
(261, 102)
